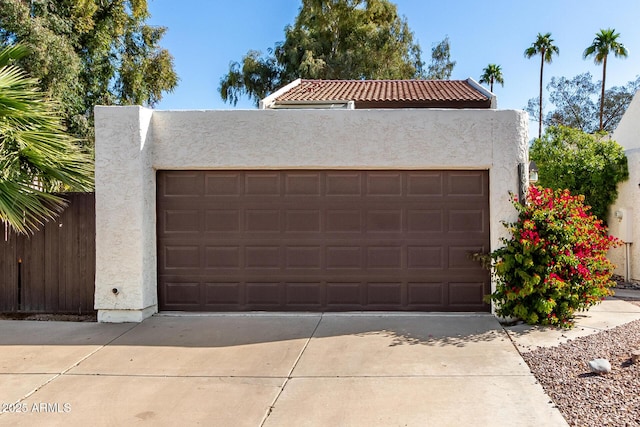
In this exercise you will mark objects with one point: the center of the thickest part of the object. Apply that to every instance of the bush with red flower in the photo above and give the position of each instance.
(555, 262)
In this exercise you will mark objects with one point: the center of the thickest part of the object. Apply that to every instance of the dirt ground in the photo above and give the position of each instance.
(64, 317)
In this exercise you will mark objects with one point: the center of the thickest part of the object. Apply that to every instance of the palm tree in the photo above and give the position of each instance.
(492, 73)
(606, 42)
(37, 157)
(545, 47)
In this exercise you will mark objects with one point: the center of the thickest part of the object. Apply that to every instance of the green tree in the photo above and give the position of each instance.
(576, 103)
(37, 156)
(544, 47)
(441, 65)
(582, 163)
(330, 39)
(492, 73)
(88, 52)
(605, 42)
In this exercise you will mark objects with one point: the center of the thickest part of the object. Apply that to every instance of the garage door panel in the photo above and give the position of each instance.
(303, 257)
(264, 293)
(425, 184)
(302, 184)
(344, 294)
(384, 257)
(344, 221)
(467, 183)
(344, 257)
(429, 257)
(384, 294)
(262, 184)
(180, 221)
(466, 294)
(425, 221)
(460, 257)
(304, 294)
(322, 240)
(223, 294)
(223, 220)
(302, 221)
(181, 184)
(180, 295)
(343, 183)
(223, 257)
(226, 184)
(467, 221)
(181, 257)
(385, 221)
(384, 184)
(262, 220)
(262, 257)
(426, 294)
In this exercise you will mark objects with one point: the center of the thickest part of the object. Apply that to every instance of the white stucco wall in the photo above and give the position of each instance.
(133, 142)
(627, 134)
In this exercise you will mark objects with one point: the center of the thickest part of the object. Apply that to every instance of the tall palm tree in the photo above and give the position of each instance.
(492, 73)
(606, 42)
(37, 157)
(545, 47)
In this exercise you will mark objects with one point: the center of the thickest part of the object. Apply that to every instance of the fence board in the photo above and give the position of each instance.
(8, 271)
(58, 263)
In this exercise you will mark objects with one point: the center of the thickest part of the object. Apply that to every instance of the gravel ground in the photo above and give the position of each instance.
(587, 399)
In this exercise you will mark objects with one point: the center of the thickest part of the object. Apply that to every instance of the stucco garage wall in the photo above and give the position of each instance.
(133, 142)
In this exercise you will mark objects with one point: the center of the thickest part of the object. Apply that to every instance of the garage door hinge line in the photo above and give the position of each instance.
(293, 367)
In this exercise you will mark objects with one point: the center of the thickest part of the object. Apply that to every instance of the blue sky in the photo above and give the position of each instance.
(204, 36)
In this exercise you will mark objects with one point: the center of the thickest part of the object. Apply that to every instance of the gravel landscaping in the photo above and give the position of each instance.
(587, 399)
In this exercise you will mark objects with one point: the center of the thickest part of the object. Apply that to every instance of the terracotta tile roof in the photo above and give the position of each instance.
(371, 92)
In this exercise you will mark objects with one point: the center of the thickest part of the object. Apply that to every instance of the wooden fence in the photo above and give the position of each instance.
(52, 271)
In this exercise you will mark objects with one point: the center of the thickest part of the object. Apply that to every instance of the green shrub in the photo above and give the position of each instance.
(555, 262)
(585, 164)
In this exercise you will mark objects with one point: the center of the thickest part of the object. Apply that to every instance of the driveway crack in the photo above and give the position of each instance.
(293, 367)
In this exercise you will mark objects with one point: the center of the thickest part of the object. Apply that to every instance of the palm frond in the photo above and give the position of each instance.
(26, 209)
(37, 156)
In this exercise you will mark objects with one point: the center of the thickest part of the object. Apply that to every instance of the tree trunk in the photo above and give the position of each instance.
(604, 77)
(540, 115)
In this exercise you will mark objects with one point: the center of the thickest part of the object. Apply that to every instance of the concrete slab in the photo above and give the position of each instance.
(51, 347)
(607, 315)
(346, 369)
(417, 401)
(14, 387)
(80, 400)
(215, 345)
(371, 345)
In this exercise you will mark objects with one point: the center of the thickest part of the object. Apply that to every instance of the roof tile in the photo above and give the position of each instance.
(384, 91)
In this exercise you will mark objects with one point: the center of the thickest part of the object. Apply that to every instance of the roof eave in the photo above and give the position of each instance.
(477, 86)
(270, 100)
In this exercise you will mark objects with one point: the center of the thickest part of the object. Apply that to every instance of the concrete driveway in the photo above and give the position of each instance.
(269, 370)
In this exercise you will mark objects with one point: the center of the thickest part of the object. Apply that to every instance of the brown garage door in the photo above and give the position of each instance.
(322, 240)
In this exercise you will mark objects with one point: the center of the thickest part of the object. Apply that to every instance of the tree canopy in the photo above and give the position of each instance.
(441, 65)
(330, 39)
(575, 103)
(88, 52)
(582, 163)
(37, 156)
